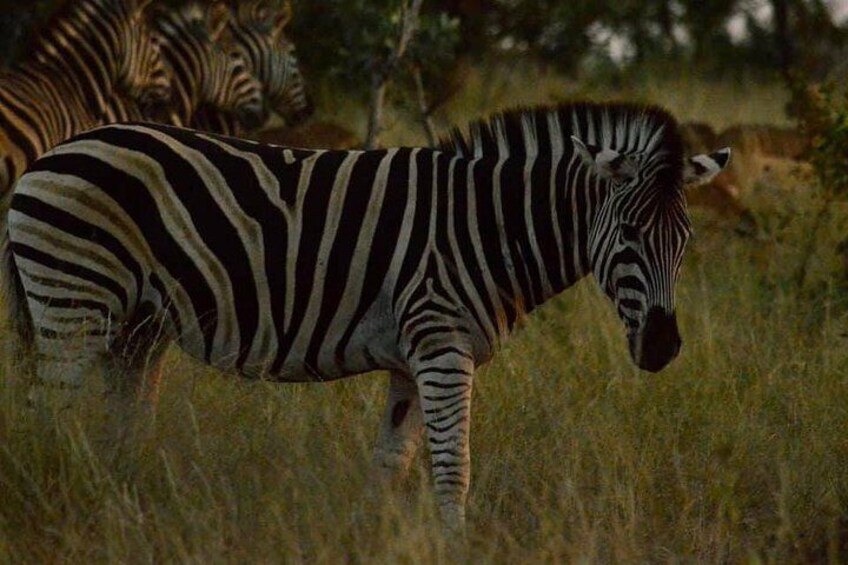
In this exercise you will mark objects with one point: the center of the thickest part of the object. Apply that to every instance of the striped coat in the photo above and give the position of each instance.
(92, 49)
(258, 27)
(299, 265)
(203, 72)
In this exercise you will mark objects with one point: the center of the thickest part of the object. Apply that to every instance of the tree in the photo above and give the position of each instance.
(383, 68)
(18, 19)
(363, 46)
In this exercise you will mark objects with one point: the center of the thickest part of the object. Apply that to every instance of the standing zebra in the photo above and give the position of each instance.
(299, 265)
(258, 29)
(203, 71)
(90, 49)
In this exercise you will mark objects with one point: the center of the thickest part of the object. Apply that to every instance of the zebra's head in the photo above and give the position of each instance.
(259, 28)
(209, 70)
(143, 73)
(637, 240)
(240, 92)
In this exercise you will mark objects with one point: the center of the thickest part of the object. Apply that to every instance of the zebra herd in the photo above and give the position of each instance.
(205, 65)
(312, 265)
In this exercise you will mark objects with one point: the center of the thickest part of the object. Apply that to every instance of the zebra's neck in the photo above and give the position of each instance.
(548, 201)
(186, 83)
(62, 107)
(209, 118)
(184, 101)
(533, 229)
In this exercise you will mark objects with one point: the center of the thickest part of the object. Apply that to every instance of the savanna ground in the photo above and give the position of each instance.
(738, 452)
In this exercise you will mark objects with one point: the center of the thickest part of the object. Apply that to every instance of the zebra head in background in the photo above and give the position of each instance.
(208, 68)
(258, 27)
(143, 74)
(640, 229)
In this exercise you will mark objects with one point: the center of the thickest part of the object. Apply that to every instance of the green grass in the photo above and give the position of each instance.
(738, 452)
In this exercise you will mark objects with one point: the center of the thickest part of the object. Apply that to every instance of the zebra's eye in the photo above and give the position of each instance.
(630, 234)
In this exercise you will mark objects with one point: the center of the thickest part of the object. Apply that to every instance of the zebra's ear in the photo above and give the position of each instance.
(142, 5)
(282, 18)
(606, 163)
(218, 19)
(701, 169)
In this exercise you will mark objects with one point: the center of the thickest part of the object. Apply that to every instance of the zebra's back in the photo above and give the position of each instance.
(265, 260)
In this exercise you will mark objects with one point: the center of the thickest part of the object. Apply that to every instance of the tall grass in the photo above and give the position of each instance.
(737, 452)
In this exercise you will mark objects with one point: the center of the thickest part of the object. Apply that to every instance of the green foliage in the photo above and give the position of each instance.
(18, 20)
(435, 46)
(345, 41)
(829, 156)
(822, 113)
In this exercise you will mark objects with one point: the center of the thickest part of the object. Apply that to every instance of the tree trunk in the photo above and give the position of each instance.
(666, 21)
(783, 36)
(375, 111)
(425, 112)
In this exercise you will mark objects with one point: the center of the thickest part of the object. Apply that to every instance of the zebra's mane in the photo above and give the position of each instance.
(626, 127)
(42, 36)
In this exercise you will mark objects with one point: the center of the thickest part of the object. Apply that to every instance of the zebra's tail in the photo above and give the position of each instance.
(14, 299)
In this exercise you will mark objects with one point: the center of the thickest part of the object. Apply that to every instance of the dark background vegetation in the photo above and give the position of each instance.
(343, 36)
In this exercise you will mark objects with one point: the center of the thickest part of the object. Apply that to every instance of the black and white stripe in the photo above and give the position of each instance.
(203, 72)
(258, 29)
(89, 50)
(299, 265)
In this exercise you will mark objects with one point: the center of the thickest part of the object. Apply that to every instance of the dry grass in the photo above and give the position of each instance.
(737, 452)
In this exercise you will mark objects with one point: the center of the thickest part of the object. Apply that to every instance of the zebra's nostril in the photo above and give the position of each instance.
(658, 342)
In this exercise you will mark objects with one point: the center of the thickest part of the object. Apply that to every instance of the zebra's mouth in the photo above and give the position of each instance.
(295, 114)
(657, 343)
(156, 95)
(156, 110)
(253, 116)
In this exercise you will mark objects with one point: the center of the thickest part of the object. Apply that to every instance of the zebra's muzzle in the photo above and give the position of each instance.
(157, 94)
(296, 112)
(658, 341)
(156, 103)
(252, 117)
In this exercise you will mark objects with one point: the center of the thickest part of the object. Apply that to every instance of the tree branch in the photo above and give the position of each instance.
(380, 74)
(426, 112)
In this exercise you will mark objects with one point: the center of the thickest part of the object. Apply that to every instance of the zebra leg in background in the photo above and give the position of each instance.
(400, 431)
(444, 380)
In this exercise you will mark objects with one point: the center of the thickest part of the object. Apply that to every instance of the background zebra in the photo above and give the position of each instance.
(300, 265)
(90, 49)
(258, 28)
(203, 71)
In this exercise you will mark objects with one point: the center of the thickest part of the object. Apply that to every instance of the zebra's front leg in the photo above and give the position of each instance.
(400, 430)
(444, 387)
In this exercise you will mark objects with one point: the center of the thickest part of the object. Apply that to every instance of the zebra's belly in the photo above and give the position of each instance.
(369, 344)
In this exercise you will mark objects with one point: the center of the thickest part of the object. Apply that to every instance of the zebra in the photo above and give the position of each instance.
(90, 49)
(258, 29)
(312, 265)
(202, 71)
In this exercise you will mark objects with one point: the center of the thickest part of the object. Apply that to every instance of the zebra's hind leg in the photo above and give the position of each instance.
(401, 430)
(133, 371)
